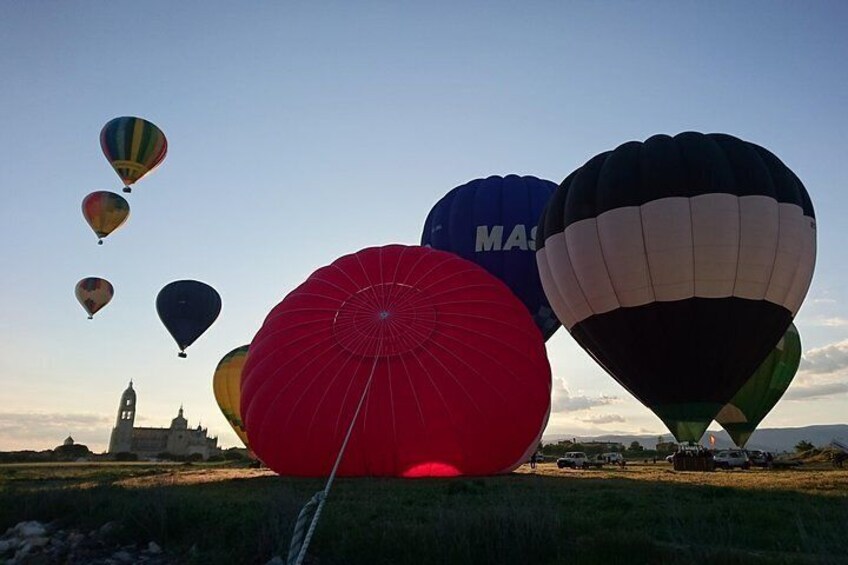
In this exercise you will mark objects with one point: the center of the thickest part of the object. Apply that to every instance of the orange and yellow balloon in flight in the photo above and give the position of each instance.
(105, 212)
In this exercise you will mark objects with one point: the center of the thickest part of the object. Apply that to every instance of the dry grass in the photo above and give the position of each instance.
(644, 513)
(819, 479)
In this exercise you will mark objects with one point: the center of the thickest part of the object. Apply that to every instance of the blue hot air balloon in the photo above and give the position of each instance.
(492, 222)
(187, 308)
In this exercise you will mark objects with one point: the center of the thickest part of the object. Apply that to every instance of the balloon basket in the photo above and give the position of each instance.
(182, 355)
(701, 462)
(127, 189)
(99, 242)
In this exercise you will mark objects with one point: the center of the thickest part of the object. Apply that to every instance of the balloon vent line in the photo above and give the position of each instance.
(300, 541)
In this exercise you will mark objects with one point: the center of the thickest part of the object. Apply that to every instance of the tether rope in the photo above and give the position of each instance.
(300, 542)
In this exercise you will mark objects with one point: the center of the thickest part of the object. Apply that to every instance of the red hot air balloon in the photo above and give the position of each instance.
(460, 379)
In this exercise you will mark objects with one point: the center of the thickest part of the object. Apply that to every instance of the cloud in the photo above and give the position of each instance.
(828, 359)
(816, 391)
(603, 419)
(563, 401)
(835, 322)
(32, 430)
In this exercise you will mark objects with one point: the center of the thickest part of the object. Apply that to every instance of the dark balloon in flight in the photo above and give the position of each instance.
(187, 309)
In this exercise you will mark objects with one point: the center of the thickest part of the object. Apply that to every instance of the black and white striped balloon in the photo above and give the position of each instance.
(678, 263)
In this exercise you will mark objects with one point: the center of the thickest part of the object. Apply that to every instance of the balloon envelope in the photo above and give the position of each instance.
(226, 383)
(492, 222)
(461, 381)
(187, 309)
(94, 293)
(133, 146)
(105, 212)
(741, 416)
(678, 263)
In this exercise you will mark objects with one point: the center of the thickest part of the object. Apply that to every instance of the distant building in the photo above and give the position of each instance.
(71, 451)
(178, 439)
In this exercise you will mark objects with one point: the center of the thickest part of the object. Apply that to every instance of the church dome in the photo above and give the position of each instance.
(179, 423)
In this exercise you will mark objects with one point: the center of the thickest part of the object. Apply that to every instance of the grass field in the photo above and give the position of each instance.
(637, 514)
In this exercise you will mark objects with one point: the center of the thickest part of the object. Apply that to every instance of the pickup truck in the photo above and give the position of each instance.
(578, 460)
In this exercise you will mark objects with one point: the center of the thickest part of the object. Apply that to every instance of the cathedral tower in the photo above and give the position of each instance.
(121, 439)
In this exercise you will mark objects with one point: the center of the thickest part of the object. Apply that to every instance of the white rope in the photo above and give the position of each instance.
(297, 549)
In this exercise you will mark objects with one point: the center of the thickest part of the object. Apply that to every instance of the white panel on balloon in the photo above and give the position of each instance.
(667, 225)
(760, 219)
(715, 238)
(620, 232)
(584, 248)
(789, 247)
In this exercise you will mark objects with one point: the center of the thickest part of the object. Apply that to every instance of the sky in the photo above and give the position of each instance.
(302, 131)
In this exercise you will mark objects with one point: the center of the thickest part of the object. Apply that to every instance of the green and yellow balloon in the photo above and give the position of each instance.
(133, 146)
(227, 386)
(741, 416)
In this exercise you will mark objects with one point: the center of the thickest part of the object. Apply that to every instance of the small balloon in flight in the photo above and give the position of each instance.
(94, 293)
(187, 309)
(133, 146)
(105, 212)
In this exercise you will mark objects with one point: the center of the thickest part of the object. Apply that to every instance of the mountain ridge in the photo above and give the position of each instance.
(767, 439)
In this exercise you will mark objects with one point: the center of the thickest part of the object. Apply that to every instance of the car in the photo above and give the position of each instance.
(614, 458)
(731, 459)
(578, 460)
(760, 458)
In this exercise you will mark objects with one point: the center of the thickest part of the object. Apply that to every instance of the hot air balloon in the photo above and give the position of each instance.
(459, 378)
(105, 212)
(94, 293)
(226, 384)
(678, 263)
(187, 308)
(492, 222)
(133, 146)
(741, 416)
